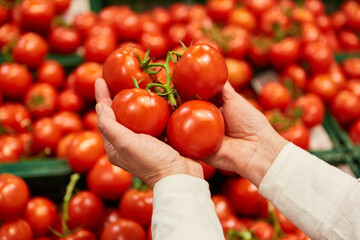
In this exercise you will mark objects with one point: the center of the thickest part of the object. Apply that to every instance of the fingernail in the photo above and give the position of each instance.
(98, 108)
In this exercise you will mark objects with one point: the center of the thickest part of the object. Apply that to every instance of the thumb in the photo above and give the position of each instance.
(228, 92)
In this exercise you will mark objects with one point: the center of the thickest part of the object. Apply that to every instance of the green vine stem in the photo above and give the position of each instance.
(69, 192)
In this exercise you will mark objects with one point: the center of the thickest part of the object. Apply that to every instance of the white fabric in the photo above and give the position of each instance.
(182, 209)
(318, 198)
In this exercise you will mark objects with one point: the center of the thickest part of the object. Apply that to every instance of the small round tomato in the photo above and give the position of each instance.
(310, 33)
(4, 14)
(354, 20)
(141, 111)
(202, 118)
(274, 17)
(337, 75)
(220, 10)
(14, 195)
(27, 141)
(108, 181)
(239, 73)
(9, 32)
(351, 67)
(243, 18)
(31, 50)
(296, 74)
(64, 39)
(238, 45)
(61, 5)
(207, 41)
(68, 122)
(157, 41)
(323, 86)
(284, 52)
(179, 13)
(36, 15)
(11, 148)
(85, 149)
(15, 230)
(90, 120)
(128, 25)
(317, 7)
(355, 132)
(349, 40)
(302, 15)
(161, 17)
(259, 6)
(345, 107)
(223, 206)
(208, 170)
(259, 51)
(338, 20)
(51, 72)
(41, 214)
(232, 222)
(111, 215)
(103, 28)
(109, 13)
(318, 56)
(274, 95)
(81, 234)
(177, 33)
(313, 109)
(137, 205)
(198, 63)
(285, 224)
(324, 23)
(121, 66)
(62, 149)
(14, 117)
(46, 135)
(98, 48)
(262, 230)
(123, 229)
(353, 85)
(148, 25)
(85, 209)
(84, 22)
(41, 99)
(69, 100)
(298, 134)
(86, 75)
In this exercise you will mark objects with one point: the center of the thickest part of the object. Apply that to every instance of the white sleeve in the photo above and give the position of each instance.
(182, 209)
(318, 198)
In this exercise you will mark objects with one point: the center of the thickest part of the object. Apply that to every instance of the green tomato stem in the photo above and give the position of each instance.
(69, 192)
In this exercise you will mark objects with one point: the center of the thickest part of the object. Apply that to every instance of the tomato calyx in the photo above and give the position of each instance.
(139, 185)
(214, 33)
(280, 122)
(6, 51)
(294, 90)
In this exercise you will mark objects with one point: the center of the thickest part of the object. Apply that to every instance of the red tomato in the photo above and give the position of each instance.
(318, 56)
(140, 111)
(239, 73)
(148, 25)
(259, 51)
(161, 17)
(259, 6)
(349, 7)
(355, 132)
(302, 15)
(103, 28)
(46, 134)
(285, 224)
(157, 41)
(131, 45)
(51, 72)
(317, 7)
(64, 39)
(323, 86)
(14, 195)
(354, 20)
(338, 20)
(108, 181)
(15, 230)
(349, 40)
(123, 229)
(14, 117)
(40, 213)
(238, 46)
(223, 207)
(86, 75)
(243, 18)
(9, 32)
(90, 120)
(284, 52)
(208, 170)
(345, 107)
(262, 230)
(274, 17)
(81, 234)
(121, 66)
(109, 13)
(289, 237)
(36, 15)
(310, 33)
(128, 25)
(85, 149)
(61, 5)
(232, 222)
(298, 134)
(246, 199)
(313, 109)
(41, 99)
(296, 74)
(198, 63)
(31, 50)
(351, 67)
(85, 21)
(69, 100)
(353, 85)
(207, 41)
(202, 118)
(177, 33)
(324, 23)
(274, 95)
(62, 149)
(68, 122)
(85, 209)
(11, 149)
(111, 215)
(179, 12)
(27, 140)
(220, 10)
(337, 75)
(98, 48)
(4, 14)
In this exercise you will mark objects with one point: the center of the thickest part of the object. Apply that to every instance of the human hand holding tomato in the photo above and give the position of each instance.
(140, 154)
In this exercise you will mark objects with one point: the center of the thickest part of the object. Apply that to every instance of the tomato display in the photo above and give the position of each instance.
(36, 15)
(15, 79)
(274, 95)
(123, 229)
(51, 72)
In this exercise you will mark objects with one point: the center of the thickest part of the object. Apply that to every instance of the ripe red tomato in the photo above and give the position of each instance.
(319, 57)
(289, 237)
(62, 149)
(161, 17)
(51, 72)
(323, 86)
(223, 206)
(69, 100)
(111, 215)
(108, 181)
(207, 41)
(302, 15)
(179, 12)
(246, 199)
(81, 234)
(274, 95)
(310, 33)
(36, 15)
(14, 117)
(337, 75)
(273, 17)
(137, 205)
(259, 51)
(284, 52)
(84, 22)
(313, 109)
(4, 14)
(238, 45)
(177, 33)
(148, 25)
(324, 23)
(14, 195)
(128, 25)
(15, 230)
(298, 134)
(285, 224)
(345, 107)
(232, 222)
(259, 6)
(198, 63)
(85, 149)
(41, 99)
(208, 170)
(239, 73)
(220, 10)
(262, 230)
(86, 75)
(202, 118)
(140, 111)
(86, 210)
(317, 7)
(27, 140)
(349, 40)
(90, 120)
(355, 132)
(9, 32)
(121, 66)
(103, 28)
(242, 17)
(157, 41)
(98, 48)
(61, 5)
(11, 149)
(109, 13)
(296, 74)
(68, 122)
(353, 85)
(46, 135)
(338, 20)
(351, 67)
(40, 213)
(123, 229)
(64, 39)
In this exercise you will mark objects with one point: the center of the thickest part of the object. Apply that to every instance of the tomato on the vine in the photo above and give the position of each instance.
(319, 57)
(15, 230)
(242, 17)
(157, 41)
(220, 10)
(80, 234)
(123, 229)
(11, 148)
(85, 21)
(64, 39)
(98, 48)
(274, 17)
(239, 41)
(128, 25)
(51, 72)
(85, 77)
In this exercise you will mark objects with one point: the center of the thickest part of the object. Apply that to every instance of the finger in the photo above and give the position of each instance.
(228, 92)
(102, 93)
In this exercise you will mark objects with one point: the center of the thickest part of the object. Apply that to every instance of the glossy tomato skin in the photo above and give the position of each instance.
(90, 120)
(140, 111)
(68, 122)
(157, 41)
(15, 79)
(202, 118)
(64, 40)
(62, 149)
(121, 66)
(84, 22)
(284, 52)
(85, 209)
(123, 229)
(355, 132)
(70, 100)
(176, 33)
(14, 117)
(85, 149)
(349, 40)
(351, 67)
(11, 149)
(14, 195)
(298, 134)
(109, 13)
(111, 215)
(274, 95)
(337, 75)
(296, 74)
(51, 72)
(46, 135)
(319, 57)
(128, 25)
(179, 12)
(223, 206)
(4, 14)
(239, 72)
(108, 181)
(98, 48)
(85, 77)
(313, 109)
(243, 17)
(220, 10)
(36, 15)
(61, 5)
(15, 230)
(81, 234)
(198, 63)
(161, 17)
(271, 17)
(208, 170)
(345, 107)
(8, 32)
(40, 213)
(323, 86)
(238, 45)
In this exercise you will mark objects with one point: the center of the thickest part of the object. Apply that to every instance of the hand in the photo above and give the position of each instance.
(142, 155)
(251, 144)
